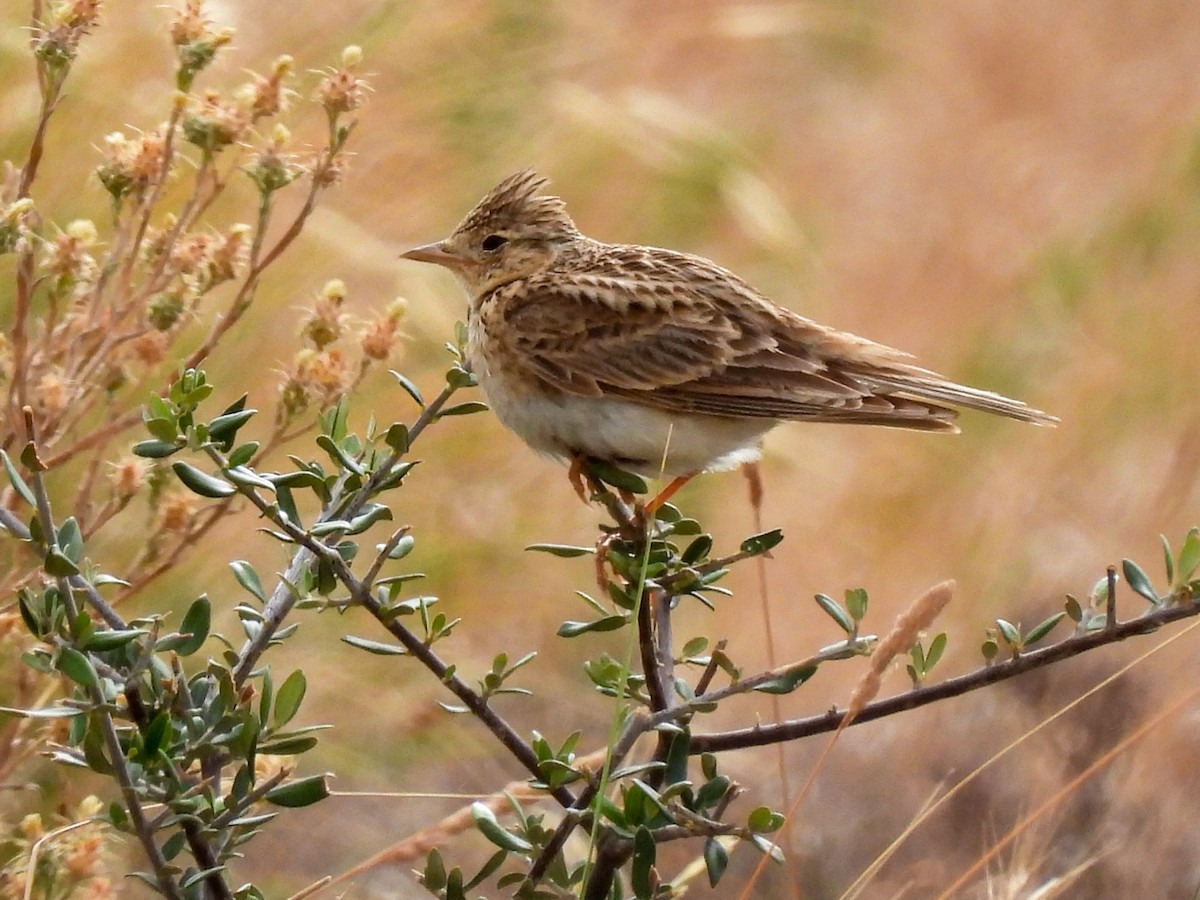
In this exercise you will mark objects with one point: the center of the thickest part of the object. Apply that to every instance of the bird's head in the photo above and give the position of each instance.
(512, 233)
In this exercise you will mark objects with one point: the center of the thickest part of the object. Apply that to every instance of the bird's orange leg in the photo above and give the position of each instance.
(575, 475)
(667, 493)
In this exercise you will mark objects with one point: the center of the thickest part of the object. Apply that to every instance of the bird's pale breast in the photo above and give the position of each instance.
(637, 437)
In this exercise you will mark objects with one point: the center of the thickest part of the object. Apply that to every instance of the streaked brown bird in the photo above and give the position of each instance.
(656, 361)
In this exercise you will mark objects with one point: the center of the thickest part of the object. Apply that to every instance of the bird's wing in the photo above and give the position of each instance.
(676, 332)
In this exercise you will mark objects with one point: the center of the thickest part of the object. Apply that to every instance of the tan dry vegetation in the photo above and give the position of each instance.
(1010, 190)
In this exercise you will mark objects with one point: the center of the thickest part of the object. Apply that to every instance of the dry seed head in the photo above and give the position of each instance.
(212, 123)
(380, 335)
(53, 392)
(325, 372)
(293, 399)
(910, 623)
(330, 172)
(191, 251)
(162, 313)
(67, 257)
(905, 632)
(150, 348)
(335, 290)
(175, 512)
(190, 24)
(84, 231)
(266, 95)
(326, 322)
(155, 243)
(227, 256)
(82, 853)
(31, 827)
(341, 91)
(146, 156)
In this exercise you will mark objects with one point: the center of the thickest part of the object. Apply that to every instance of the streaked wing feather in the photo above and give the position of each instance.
(675, 332)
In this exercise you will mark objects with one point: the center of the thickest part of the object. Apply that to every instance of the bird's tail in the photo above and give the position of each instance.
(921, 385)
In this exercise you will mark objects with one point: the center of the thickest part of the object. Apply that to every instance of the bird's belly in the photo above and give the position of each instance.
(638, 438)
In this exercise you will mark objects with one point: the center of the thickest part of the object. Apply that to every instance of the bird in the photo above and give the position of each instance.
(660, 362)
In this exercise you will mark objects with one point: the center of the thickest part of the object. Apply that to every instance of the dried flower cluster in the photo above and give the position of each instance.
(323, 370)
(99, 313)
(73, 857)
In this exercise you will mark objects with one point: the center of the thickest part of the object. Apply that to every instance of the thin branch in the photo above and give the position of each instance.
(282, 598)
(760, 735)
(166, 881)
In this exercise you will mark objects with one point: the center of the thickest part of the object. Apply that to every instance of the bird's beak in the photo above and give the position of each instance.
(438, 254)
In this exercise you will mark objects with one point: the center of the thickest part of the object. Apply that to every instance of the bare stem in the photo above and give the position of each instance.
(760, 735)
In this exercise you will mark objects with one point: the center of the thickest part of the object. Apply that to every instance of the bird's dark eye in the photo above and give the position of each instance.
(493, 242)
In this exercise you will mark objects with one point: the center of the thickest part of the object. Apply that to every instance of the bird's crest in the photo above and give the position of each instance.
(516, 202)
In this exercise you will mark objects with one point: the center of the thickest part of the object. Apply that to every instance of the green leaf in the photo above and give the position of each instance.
(339, 456)
(397, 437)
(618, 478)
(835, 611)
(403, 547)
(375, 512)
(293, 746)
(195, 626)
(156, 449)
(642, 864)
(935, 651)
(1010, 632)
(434, 876)
(763, 820)
(303, 792)
(761, 543)
(1168, 558)
(566, 551)
(767, 847)
(243, 453)
(375, 647)
(100, 641)
(165, 430)
(1139, 581)
(409, 387)
(463, 409)
(788, 682)
(458, 378)
(1040, 631)
(246, 477)
(224, 428)
(155, 735)
(57, 564)
(697, 550)
(201, 482)
(489, 868)
(694, 647)
(248, 578)
(490, 828)
(289, 697)
(17, 481)
(1189, 559)
(856, 603)
(1073, 609)
(716, 859)
(571, 629)
(78, 668)
(333, 420)
(70, 540)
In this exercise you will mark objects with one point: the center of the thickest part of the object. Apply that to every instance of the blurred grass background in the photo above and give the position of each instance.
(1009, 189)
